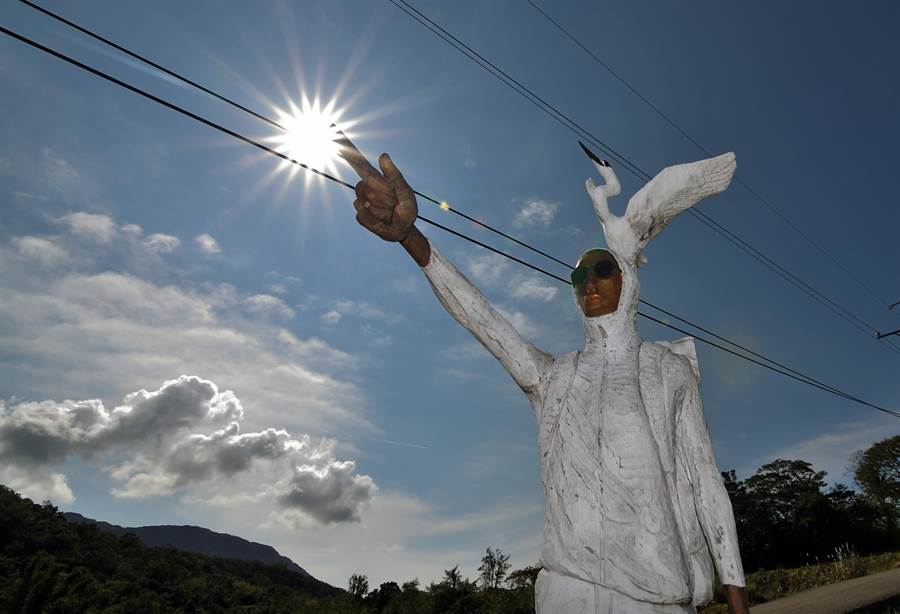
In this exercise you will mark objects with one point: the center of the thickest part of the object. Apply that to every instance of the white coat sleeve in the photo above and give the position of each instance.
(710, 497)
(523, 361)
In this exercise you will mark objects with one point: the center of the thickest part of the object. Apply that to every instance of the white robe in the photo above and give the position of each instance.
(635, 502)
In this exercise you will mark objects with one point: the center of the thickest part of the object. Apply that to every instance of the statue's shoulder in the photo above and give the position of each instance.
(676, 358)
(564, 362)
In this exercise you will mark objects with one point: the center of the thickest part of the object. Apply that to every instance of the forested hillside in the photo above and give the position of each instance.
(50, 565)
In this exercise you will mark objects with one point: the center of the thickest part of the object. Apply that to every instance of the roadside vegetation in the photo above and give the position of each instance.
(795, 532)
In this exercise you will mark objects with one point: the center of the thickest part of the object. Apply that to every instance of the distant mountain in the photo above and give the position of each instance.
(199, 540)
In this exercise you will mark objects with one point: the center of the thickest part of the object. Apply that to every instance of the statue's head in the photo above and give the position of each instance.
(605, 281)
(597, 280)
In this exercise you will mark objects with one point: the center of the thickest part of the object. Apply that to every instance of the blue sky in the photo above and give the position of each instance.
(111, 286)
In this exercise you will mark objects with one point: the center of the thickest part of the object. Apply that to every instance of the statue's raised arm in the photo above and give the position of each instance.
(386, 206)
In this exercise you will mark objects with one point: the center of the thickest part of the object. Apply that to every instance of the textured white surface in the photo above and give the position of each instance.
(635, 501)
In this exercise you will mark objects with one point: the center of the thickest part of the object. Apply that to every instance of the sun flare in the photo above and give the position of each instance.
(310, 135)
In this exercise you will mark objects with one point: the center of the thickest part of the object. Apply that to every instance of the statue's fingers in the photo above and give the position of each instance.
(393, 174)
(373, 211)
(360, 189)
(355, 158)
(378, 184)
(382, 214)
(365, 217)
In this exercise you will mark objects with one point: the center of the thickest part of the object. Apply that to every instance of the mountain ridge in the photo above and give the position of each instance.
(200, 540)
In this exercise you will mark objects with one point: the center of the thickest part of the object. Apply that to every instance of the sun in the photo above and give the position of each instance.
(310, 135)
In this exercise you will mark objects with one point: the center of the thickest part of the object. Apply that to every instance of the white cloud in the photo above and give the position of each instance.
(316, 349)
(41, 250)
(520, 321)
(93, 226)
(331, 317)
(73, 334)
(531, 288)
(207, 243)
(156, 432)
(330, 493)
(268, 305)
(362, 310)
(535, 213)
(489, 269)
(161, 243)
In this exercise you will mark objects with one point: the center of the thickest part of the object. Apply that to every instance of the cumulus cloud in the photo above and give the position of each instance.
(156, 433)
(40, 250)
(46, 432)
(330, 493)
(330, 317)
(92, 226)
(535, 213)
(531, 288)
(67, 333)
(161, 243)
(207, 243)
(268, 305)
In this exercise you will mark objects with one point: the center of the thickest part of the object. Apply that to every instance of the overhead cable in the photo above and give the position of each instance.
(812, 292)
(445, 206)
(687, 136)
(801, 378)
(562, 118)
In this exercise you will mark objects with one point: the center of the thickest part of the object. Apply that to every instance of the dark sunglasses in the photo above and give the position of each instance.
(602, 269)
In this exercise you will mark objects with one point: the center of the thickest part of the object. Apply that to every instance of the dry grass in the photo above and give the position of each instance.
(769, 585)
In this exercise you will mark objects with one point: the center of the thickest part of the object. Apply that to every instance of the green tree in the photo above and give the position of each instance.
(523, 578)
(358, 585)
(494, 567)
(779, 486)
(877, 471)
(452, 578)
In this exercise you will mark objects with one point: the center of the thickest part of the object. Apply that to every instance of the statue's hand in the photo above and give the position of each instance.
(385, 204)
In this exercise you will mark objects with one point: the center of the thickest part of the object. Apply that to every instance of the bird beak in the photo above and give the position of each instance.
(592, 155)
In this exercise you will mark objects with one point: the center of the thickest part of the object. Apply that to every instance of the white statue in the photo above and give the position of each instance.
(637, 518)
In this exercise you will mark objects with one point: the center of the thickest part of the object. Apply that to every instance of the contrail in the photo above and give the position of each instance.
(118, 58)
(400, 443)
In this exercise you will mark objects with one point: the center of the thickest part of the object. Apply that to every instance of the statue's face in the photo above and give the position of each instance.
(598, 283)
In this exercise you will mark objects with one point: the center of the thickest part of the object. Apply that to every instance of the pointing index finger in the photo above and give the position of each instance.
(393, 174)
(355, 158)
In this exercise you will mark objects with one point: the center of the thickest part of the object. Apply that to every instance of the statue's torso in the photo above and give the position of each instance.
(608, 465)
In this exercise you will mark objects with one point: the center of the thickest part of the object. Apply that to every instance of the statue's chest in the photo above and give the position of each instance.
(591, 405)
(598, 426)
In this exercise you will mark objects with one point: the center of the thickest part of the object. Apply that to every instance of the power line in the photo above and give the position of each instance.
(800, 377)
(443, 205)
(683, 133)
(812, 292)
(633, 168)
